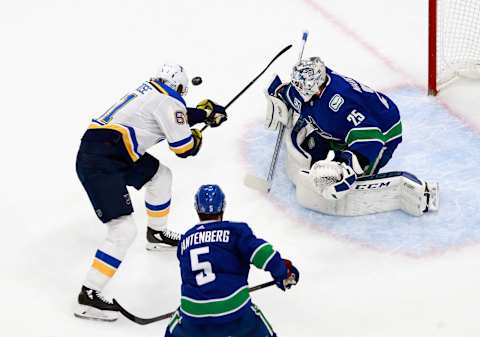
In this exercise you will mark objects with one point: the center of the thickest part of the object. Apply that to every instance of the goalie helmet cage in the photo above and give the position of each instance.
(453, 41)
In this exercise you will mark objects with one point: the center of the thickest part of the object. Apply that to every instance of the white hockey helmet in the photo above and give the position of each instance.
(308, 75)
(174, 76)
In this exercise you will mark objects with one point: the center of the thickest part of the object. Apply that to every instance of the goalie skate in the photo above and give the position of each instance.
(432, 195)
(92, 305)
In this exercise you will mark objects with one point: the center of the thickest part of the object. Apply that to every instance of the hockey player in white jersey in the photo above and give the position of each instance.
(112, 156)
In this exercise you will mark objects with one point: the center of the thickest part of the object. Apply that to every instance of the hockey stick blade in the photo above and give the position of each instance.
(144, 321)
(257, 183)
(139, 320)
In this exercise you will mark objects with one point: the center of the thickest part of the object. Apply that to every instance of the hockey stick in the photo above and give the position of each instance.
(264, 185)
(144, 321)
(252, 81)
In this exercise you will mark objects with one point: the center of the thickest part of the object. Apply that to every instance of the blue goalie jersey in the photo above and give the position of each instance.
(215, 260)
(351, 116)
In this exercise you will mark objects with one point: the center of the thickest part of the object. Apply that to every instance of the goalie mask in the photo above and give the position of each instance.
(307, 77)
(174, 76)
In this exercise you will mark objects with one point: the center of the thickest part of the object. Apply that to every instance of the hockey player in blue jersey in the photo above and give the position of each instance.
(215, 257)
(341, 132)
(335, 112)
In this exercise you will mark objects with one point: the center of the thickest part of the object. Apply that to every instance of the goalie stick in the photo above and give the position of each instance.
(280, 53)
(144, 321)
(264, 185)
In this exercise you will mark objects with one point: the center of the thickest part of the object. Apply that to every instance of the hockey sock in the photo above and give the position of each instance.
(108, 257)
(157, 198)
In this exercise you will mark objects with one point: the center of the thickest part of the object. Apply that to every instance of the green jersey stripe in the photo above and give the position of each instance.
(215, 307)
(262, 255)
(373, 134)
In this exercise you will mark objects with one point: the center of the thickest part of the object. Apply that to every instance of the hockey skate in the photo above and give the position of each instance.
(164, 239)
(92, 305)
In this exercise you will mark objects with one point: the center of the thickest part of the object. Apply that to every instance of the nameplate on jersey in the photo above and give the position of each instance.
(218, 235)
(336, 102)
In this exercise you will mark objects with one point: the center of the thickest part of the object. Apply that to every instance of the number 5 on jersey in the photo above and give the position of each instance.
(205, 275)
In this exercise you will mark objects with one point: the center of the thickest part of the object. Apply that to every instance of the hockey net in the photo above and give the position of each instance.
(454, 41)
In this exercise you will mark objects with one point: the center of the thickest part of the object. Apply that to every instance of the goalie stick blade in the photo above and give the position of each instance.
(257, 183)
(139, 320)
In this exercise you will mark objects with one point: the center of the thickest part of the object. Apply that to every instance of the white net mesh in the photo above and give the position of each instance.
(458, 39)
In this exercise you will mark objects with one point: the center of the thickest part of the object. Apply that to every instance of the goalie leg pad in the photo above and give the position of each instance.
(297, 158)
(381, 193)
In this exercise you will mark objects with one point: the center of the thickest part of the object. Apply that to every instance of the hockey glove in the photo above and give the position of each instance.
(291, 278)
(214, 114)
(277, 111)
(197, 141)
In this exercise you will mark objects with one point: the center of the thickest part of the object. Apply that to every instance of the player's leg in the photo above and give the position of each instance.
(179, 328)
(111, 202)
(379, 193)
(258, 324)
(384, 157)
(157, 179)
(252, 323)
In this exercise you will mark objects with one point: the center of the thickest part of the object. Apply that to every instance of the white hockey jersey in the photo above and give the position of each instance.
(146, 116)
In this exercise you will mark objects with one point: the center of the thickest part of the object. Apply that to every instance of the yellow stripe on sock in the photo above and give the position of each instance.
(103, 268)
(158, 214)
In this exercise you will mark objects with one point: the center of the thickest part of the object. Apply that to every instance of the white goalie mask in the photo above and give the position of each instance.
(174, 76)
(307, 77)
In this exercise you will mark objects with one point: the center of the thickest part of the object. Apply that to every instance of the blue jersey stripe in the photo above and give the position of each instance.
(133, 136)
(170, 92)
(181, 142)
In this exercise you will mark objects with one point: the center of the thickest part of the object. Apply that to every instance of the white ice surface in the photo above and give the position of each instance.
(62, 62)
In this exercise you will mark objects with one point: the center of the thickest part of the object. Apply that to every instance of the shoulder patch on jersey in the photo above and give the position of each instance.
(297, 104)
(336, 102)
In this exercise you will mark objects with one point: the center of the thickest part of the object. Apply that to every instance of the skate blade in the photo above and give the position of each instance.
(159, 247)
(87, 312)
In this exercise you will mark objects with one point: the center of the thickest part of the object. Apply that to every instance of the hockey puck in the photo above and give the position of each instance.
(197, 80)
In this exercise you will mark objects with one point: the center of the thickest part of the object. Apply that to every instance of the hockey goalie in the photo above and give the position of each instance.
(339, 134)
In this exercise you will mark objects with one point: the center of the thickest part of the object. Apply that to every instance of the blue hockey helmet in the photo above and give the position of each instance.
(210, 199)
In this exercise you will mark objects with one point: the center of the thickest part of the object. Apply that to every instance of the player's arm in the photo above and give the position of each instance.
(208, 112)
(182, 140)
(262, 255)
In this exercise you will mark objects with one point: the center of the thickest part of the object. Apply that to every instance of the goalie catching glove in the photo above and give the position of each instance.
(214, 114)
(334, 179)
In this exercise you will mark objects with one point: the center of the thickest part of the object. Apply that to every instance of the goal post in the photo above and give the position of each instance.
(453, 42)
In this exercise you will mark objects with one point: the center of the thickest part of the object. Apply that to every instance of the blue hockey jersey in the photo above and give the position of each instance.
(215, 260)
(351, 116)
